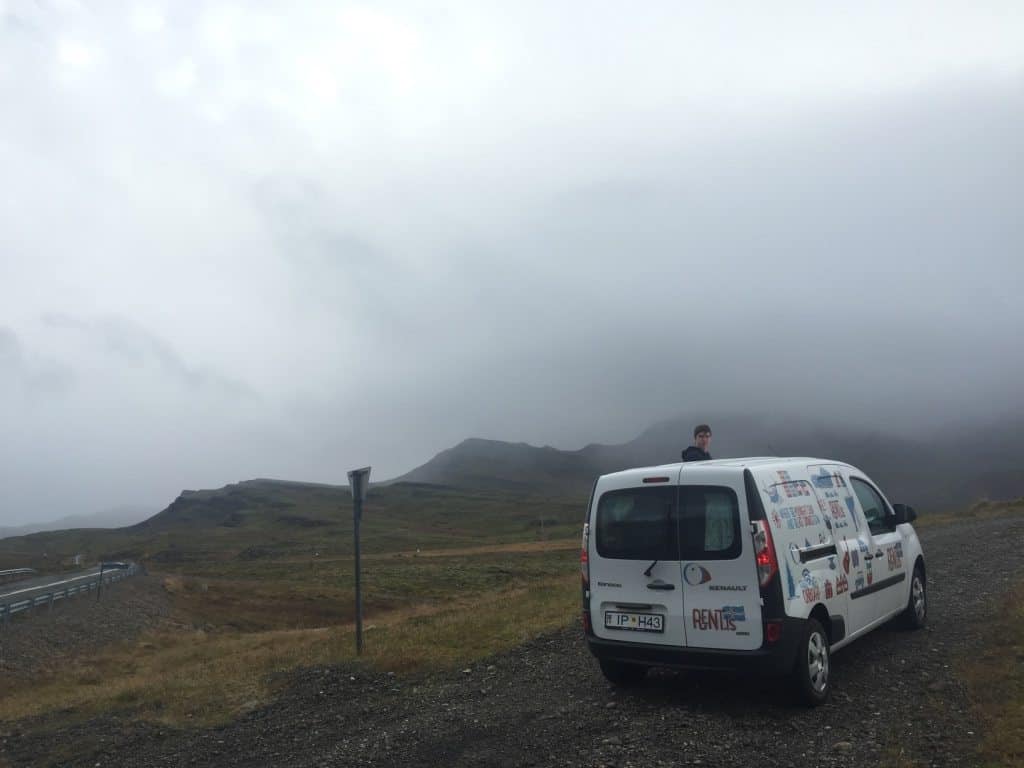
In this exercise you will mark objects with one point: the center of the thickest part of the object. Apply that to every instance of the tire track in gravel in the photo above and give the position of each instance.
(546, 704)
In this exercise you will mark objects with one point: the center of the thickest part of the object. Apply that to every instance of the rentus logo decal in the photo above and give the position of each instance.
(719, 619)
(696, 575)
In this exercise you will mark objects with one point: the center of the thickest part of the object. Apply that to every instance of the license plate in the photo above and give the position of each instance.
(635, 622)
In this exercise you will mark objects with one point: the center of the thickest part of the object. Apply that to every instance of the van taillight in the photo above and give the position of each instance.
(584, 558)
(764, 552)
(773, 631)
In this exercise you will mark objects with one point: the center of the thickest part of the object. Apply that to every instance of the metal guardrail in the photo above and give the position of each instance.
(15, 573)
(49, 598)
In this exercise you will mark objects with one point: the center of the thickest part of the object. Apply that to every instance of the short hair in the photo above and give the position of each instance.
(701, 428)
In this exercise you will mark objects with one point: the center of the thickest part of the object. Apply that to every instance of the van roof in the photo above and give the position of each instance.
(749, 462)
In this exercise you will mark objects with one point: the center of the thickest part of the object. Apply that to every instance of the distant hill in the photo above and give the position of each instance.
(949, 468)
(117, 517)
(492, 491)
(263, 521)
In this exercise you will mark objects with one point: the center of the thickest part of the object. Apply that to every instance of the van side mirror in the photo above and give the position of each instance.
(904, 513)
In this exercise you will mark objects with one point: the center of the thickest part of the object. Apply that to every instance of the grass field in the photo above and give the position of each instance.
(238, 631)
(995, 682)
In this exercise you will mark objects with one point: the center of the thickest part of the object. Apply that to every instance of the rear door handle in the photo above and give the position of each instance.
(661, 586)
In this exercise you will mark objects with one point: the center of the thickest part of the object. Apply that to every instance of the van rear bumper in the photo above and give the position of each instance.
(777, 658)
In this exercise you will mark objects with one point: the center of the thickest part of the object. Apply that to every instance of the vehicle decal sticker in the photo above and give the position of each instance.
(871, 576)
(846, 557)
(894, 554)
(728, 587)
(828, 589)
(809, 587)
(696, 574)
(832, 563)
(719, 619)
(842, 584)
(798, 516)
(823, 479)
(789, 583)
(734, 613)
(859, 583)
(839, 519)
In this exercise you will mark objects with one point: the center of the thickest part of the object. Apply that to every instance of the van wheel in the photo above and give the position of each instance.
(916, 612)
(621, 674)
(811, 676)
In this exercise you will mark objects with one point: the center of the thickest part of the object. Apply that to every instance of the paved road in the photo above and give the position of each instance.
(17, 591)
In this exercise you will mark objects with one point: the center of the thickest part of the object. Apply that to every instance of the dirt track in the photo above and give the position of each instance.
(546, 704)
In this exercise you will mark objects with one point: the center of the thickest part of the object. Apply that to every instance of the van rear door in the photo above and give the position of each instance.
(721, 596)
(636, 592)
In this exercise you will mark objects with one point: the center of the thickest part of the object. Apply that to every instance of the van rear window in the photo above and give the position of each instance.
(690, 522)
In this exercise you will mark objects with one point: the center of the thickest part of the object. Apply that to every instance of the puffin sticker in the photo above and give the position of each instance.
(696, 575)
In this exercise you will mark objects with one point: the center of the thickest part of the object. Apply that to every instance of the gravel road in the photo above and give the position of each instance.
(895, 699)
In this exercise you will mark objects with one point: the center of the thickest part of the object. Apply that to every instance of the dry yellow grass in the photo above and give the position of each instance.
(995, 682)
(197, 677)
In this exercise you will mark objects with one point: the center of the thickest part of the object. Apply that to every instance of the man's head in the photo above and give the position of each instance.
(702, 436)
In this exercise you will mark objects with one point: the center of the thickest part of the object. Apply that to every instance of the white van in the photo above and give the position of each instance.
(765, 564)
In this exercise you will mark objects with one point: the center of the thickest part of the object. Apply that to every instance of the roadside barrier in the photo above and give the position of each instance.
(84, 585)
(15, 573)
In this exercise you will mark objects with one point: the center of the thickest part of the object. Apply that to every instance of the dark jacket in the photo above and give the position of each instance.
(693, 453)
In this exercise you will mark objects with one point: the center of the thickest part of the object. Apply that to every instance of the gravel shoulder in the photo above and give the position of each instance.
(36, 641)
(896, 701)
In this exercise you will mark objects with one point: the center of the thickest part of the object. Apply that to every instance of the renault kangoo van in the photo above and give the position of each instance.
(768, 564)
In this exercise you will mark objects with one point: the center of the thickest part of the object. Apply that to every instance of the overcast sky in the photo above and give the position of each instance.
(275, 239)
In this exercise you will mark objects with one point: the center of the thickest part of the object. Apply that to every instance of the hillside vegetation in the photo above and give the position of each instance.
(247, 526)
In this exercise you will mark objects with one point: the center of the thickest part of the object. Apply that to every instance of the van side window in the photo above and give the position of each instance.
(873, 506)
(638, 524)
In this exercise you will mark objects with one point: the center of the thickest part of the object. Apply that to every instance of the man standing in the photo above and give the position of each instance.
(702, 440)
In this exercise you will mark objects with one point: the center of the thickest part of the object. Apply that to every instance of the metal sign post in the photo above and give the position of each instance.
(108, 567)
(359, 480)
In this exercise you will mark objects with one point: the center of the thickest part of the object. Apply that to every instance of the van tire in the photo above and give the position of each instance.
(812, 678)
(915, 614)
(620, 674)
